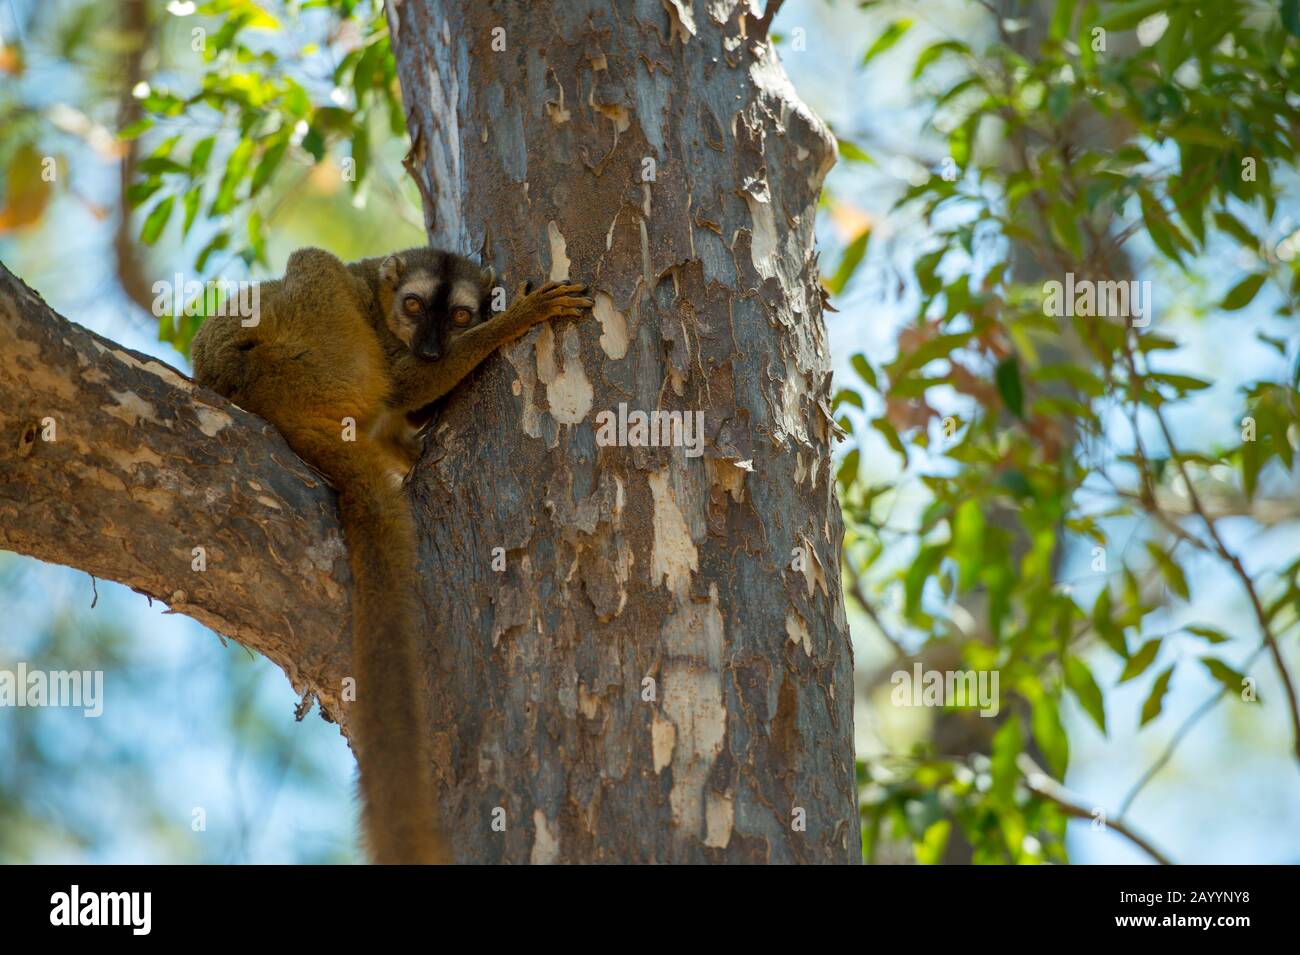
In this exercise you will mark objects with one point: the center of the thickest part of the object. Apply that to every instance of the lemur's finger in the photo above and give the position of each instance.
(565, 288)
(572, 302)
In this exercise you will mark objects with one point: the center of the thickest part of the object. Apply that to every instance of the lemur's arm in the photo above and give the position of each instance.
(417, 382)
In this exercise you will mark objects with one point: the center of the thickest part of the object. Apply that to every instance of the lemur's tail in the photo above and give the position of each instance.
(390, 730)
(308, 363)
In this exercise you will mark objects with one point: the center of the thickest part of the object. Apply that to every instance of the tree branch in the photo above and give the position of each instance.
(758, 26)
(1051, 790)
(116, 464)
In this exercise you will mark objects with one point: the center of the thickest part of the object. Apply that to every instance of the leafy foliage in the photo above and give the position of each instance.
(1120, 138)
(254, 115)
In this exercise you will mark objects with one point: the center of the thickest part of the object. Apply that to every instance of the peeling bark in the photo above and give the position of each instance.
(656, 674)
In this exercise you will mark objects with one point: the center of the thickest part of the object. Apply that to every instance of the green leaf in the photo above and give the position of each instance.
(138, 192)
(1163, 232)
(865, 371)
(893, 33)
(236, 167)
(1082, 684)
(1232, 680)
(136, 129)
(1062, 17)
(1189, 200)
(193, 197)
(201, 153)
(216, 243)
(848, 470)
(1155, 701)
(266, 166)
(1251, 462)
(158, 165)
(1007, 745)
(929, 849)
(1208, 633)
(157, 221)
(925, 268)
(959, 144)
(1009, 387)
(256, 241)
(368, 73)
(1171, 50)
(314, 143)
(1058, 101)
(926, 562)
(890, 434)
(1237, 229)
(941, 346)
(1063, 223)
(360, 152)
(1243, 293)
(968, 542)
(846, 397)
(1180, 382)
(1045, 721)
(1291, 16)
(1015, 481)
(1138, 663)
(1170, 570)
(1104, 623)
(1129, 15)
(850, 152)
(932, 53)
(849, 263)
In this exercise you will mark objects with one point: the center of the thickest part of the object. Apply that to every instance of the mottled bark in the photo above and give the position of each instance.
(650, 677)
(114, 463)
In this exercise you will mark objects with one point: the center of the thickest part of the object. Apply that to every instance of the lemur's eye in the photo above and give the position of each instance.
(461, 315)
(412, 305)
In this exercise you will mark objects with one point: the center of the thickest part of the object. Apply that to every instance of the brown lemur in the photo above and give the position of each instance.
(375, 341)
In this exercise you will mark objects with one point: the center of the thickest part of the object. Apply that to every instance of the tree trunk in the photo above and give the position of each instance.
(635, 654)
(649, 678)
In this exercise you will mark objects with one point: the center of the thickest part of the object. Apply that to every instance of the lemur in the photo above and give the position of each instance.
(375, 341)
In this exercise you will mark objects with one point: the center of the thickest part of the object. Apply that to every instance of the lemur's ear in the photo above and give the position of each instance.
(391, 270)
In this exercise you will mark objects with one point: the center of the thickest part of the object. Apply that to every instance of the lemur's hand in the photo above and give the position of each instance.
(552, 300)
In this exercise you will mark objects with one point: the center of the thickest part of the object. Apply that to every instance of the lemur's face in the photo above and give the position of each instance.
(434, 296)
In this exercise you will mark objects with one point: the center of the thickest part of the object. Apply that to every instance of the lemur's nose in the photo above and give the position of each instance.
(429, 350)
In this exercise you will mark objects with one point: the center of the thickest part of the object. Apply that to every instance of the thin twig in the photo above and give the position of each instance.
(1051, 790)
(1230, 558)
(1175, 740)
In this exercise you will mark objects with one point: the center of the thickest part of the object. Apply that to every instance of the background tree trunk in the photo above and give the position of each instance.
(649, 678)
